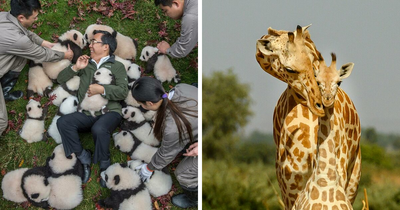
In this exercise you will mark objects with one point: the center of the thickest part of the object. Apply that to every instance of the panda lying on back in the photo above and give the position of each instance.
(72, 38)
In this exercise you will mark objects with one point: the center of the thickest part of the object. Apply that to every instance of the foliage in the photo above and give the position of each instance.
(257, 147)
(226, 108)
(372, 153)
(140, 20)
(238, 186)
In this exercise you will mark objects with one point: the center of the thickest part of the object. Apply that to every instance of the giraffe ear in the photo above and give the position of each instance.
(346, 70)
(264, 46)
(275, 32)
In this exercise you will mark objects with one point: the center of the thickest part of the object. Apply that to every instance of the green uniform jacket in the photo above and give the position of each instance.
(114, 93)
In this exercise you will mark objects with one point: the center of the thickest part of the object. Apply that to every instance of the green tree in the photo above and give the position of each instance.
(371, 135)
(226, 108)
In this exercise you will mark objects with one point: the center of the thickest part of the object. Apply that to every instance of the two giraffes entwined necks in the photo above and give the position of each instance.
(315, 124)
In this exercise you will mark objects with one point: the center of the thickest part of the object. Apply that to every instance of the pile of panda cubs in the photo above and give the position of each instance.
(58, 184)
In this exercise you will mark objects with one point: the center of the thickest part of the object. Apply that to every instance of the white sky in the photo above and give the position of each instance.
(364, 32)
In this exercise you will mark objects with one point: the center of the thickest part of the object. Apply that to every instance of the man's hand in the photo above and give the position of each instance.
(81, 63)
(163, 47)
(47, 44)
(69, 54)
(95, 89)
(145, 173)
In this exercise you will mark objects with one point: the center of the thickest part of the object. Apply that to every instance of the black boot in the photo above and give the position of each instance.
(187, 199)
(103, 166)
(8, 81)
(85, 158)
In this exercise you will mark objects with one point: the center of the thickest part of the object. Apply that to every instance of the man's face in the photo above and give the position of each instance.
(175, 11)
(27, 22)
(96, 46)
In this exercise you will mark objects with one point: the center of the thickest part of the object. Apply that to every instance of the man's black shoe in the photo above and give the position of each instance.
(12, 96)
(187, 199)
(86, 173)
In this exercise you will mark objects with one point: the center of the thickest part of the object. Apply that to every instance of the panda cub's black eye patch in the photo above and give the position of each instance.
(35, 195)
(124, 133)
(98, 73)
(53, 155)
(106, 177)
(147, 53)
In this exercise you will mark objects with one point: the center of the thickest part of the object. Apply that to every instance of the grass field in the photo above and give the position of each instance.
(140, 20)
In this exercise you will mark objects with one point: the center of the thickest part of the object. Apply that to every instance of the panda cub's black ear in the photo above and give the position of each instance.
(46, 182)
(75, 103)
(116, 180)
(75, 36)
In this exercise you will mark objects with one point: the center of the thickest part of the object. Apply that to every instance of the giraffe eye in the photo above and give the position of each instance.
(340, 82)
(290, 70)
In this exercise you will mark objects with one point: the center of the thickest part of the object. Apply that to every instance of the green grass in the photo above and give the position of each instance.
(55, 20)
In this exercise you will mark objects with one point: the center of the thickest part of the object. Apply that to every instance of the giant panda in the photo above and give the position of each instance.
(38, 81)
(159, 183)
(64, 90)
(160, 64)
(126, 46)
(11, 185)
(97, 102)
(127, 189)
(33, 128)
(133, 74)
(68, 106)
(76, 42)
(135, 122)
(127, 143)
(65, 179)
(35, 186)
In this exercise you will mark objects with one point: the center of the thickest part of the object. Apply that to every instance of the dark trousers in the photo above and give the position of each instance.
(101, 128)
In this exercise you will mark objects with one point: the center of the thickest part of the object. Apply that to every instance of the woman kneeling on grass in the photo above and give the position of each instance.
(176, 127)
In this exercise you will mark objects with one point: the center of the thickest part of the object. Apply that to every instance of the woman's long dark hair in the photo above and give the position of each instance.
(150, 89)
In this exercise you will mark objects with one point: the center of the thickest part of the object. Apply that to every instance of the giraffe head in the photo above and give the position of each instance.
(329, 79)
(292, 58)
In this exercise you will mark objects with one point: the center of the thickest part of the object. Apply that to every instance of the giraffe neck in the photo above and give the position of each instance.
(326, 159)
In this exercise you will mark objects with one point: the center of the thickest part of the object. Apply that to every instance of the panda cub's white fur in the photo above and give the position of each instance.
(33, 128)
(65, 179)
(126, 46)
(97, 102)
(68, 106)
(135, 122)
(127, 189)
(125, 62)
(160, 64)
(38, 81)
(65, 90)
(127, 143)
(72, 38)
(159, 183)
(11, 186)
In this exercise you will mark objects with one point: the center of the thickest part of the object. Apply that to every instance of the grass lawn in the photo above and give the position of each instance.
(140, 20)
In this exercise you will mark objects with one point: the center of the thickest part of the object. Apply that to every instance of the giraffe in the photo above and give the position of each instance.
(325, 188)
(297, 122)
(346, 125)
(291, 57)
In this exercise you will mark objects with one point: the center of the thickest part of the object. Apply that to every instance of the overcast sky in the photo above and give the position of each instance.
(364, 32)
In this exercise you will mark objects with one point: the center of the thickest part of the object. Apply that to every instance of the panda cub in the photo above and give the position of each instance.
(68, 106)
(11, 185)
(133, 73)
(65, 179)
(125, 62)
(97, 102)
(72, 38)
(38, 81)
(127, 189)
(127, 143)
(126, 46)
(160, 64)
(64, 90)
(35, 186)
(135, 122)
(33, 128)
(160, 182)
